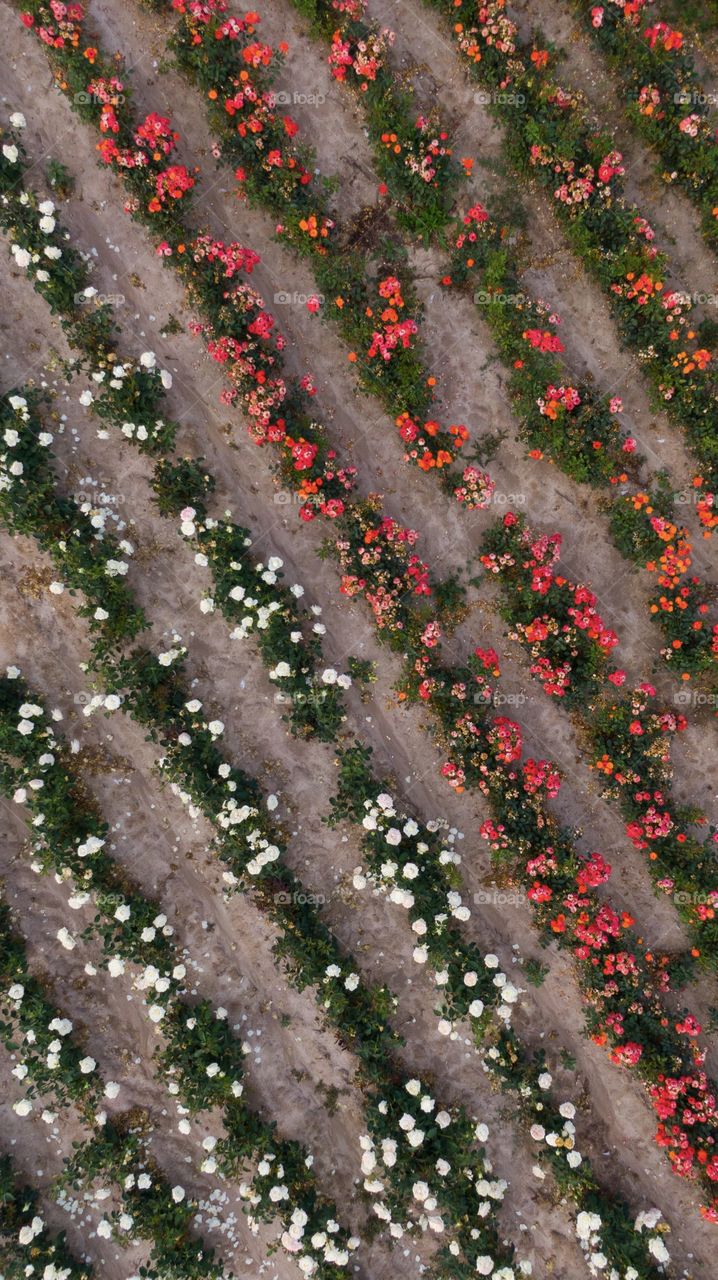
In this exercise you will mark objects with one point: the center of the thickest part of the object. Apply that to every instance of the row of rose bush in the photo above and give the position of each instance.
(52, 1063)
(548, 128)
(125, 387)
(145, 1207)
(130, 395)
(378, 560)
(586, 442)
(412, 150)
(557, 622)
(467, 958)
(151, 689)
(115, 396)
(666, 100)
(202, 1063)
(27, 1246)
(415, 866)
(34, 1034)
(458, 960)
(199, 1056)
(363, 279)
(556, 415)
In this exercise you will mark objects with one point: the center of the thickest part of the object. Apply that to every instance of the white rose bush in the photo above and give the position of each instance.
(27, 1245)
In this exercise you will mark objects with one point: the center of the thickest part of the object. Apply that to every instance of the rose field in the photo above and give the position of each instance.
(358, 640)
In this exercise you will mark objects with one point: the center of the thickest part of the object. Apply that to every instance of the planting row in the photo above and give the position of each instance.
(68, 838)
(27, 1247)
(52, 1063)
(452, 961)
(666, 100)
(575, 428)
(150, 687)
(578, 165)
(569, 658)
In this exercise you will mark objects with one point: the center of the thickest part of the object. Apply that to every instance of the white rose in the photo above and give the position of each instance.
(658, 1249)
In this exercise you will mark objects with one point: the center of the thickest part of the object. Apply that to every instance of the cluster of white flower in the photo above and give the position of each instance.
(12, 468)
(102, 702)
(651, 1220)
(258, 612)
(380, 1157)
(397, 1153)
(349, 981)
(311, 1250)
(588, 1231)
(26, 1238)
(117, 379)
(407, 867)
(565, 1140)
(53, 1060)
(37, 258)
